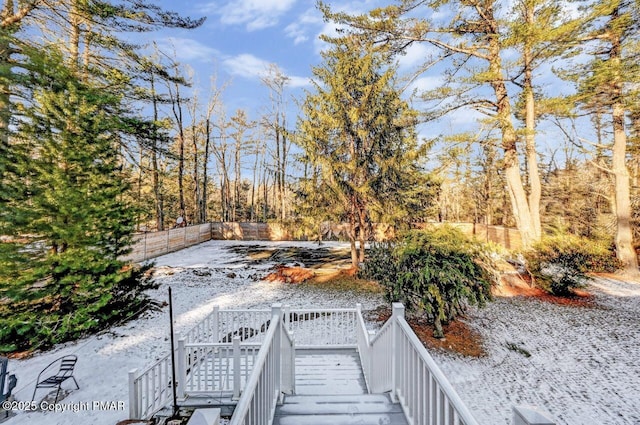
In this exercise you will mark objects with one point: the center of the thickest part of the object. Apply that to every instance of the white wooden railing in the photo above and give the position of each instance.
(151, 390)
(266, 383)
(323, 328)
(250, 355)
(216, 367)
(395, 360)
(376, 356)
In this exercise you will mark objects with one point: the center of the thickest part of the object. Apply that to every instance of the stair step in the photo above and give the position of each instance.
(360, 409)
(323, 399)
(337, 409)
(359, 419)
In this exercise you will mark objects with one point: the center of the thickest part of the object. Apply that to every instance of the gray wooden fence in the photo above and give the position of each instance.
(153, 244)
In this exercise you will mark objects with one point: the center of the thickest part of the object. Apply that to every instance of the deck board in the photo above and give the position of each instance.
(329, 372)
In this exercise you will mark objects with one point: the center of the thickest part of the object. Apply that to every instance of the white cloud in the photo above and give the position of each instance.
(297, 82)
(246, 65)
(423, 84)
(187, 49)
(416, 55)
(254, 14)
(251, 67)
(301, 28)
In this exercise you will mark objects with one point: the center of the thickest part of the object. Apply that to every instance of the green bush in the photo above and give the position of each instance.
(434, 272)
(560, 263)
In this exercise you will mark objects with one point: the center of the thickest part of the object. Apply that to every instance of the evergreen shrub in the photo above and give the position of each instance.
(84, 298)
(435, 272)
(560, 263)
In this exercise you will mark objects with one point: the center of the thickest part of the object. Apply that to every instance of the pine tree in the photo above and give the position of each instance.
(467, 36)
(609, 82)
(70, 223)
(358, 134)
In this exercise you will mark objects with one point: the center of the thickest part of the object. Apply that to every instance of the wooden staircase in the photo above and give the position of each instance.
(331, 390)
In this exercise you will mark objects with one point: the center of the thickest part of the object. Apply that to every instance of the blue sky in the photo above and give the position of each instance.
(241, 38)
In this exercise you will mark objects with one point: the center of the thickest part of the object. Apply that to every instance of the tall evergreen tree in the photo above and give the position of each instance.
(64, 221)
(70, 221)
(610, 82)
(359, 135)
(468, 36)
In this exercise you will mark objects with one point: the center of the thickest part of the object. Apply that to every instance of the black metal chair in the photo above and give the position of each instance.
(64, 366)
(6, 385)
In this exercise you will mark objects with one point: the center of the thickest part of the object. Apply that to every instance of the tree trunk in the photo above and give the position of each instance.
(624, 234)
(205, 177)
(535, 187)
(362, 232)
(283, 173)
(355, 258)
(196, 176)
(155, 175)
(515, 187)
(176, 108)
(74, 38)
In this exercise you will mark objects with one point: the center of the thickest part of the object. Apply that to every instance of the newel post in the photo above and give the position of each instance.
(276, 314)
(134, 411)
(236, 367)
(215, 324)
(182, 369)
(397, 311)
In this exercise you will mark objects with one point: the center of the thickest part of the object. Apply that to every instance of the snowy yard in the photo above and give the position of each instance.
(584, 364)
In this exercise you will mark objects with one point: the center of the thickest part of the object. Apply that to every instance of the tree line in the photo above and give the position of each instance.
(101, 137)
(490, 54)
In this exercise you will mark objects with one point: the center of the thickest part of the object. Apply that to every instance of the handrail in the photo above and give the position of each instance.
(382, 331)
(258, 401)
(288, 362)
(149, 391)
(364, 348)
(424, 391)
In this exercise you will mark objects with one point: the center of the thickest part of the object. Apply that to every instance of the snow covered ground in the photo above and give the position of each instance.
(200, 277)
(584, 364)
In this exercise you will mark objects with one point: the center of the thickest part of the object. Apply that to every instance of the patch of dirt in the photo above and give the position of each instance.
(309, 257)
(459, 337)
(344, 279)
(515, 285)
(19, 355)
(283, 274)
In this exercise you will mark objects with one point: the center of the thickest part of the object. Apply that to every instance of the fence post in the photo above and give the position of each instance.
(215, 324)
(276, 311)
(236, 367)
(145, 247)
(184, 237)
(287, 316)
(397, 312)
(182, 368)
(134, 412)
(526, 415)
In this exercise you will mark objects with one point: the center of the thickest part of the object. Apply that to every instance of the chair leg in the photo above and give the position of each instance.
(76, 382)
(34, 393)
(57, 393)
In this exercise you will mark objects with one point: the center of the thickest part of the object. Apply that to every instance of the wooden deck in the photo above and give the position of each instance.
(331, 390)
